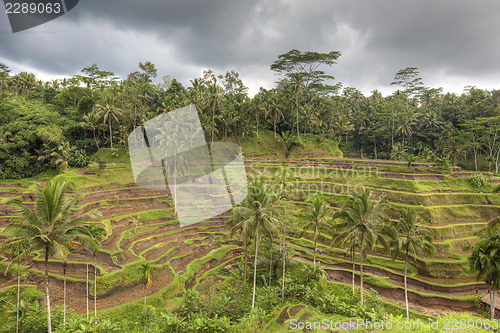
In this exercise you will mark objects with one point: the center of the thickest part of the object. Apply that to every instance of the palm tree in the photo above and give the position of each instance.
(63, 155)
(25, 82)
(18, 253)
(485, 261)
(176, 167)
(406, 127)
(49, 227)
(245, 238)
(109, 113)
(276, 111)
(255, 217)
(4, 76)
(363, 222)
(289, 140)
(214, 99)
(342, 126)
(4, 137)
(399, 151)
(91, 121)
(258, 109)
(228, 118)
(147, 272)
(411, 238)
(319, 208)
(97, 233)
(284, 176)
(297, 86)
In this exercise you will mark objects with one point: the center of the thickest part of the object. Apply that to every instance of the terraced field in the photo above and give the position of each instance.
(141, 226)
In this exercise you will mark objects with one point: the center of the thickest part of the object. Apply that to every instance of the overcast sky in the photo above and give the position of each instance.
(453, 43)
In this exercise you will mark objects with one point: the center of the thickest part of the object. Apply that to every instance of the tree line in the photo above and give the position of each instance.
(97, 109)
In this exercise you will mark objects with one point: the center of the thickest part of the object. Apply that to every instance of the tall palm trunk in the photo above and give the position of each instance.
(64, 292)
(18, 292)
(47, 296)
(284, 262)
(275, 126)
(257, 120)
(255, 267)
(406, 286)
(315, 241)
(353, 256)
(95, 140)
(361, 273)
(145, 323)
(492, 306)
(110, 133)
(297, 105)
(95, 286)
(245, 264)
(87, 289)
(271, 265)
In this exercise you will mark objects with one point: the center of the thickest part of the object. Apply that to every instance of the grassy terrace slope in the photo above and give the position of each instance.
(141, 226)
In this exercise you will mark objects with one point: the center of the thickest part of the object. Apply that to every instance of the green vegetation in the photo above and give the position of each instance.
(314, 226)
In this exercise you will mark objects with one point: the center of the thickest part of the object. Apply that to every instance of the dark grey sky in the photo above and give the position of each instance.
(454, 43)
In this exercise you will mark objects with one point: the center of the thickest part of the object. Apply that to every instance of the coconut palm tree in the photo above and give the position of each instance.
(343, 125)
(97, 233)
(485, 262)
(214, 98)
(91, 121)
(50, 226)
(147, 272)
(315, 218)
(274, 107)
(18, 252)
(245, 237)
(297, 82)
(259, 108)
(109, 113)
(364, 222)
(345, 241)
(284, 176)
(289, 140)
(411, 238)
(255, 217)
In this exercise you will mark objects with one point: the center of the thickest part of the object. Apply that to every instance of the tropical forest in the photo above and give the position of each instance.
(362, 212)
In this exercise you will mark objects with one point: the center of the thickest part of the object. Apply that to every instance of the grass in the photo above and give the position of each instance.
(450, 200)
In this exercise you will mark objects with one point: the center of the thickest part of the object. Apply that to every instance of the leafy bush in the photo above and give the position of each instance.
(79, 159)
(172, 323)
(81, 325)
(148, 319)
(252, 321)
(190, 303)
(268, 297)
(102, 165)
(442, 162)
(478, 181)
(205, 324)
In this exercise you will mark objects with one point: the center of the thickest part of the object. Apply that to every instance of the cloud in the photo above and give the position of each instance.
(450, 41)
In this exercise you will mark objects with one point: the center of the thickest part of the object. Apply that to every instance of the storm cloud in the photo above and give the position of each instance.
(453, 42)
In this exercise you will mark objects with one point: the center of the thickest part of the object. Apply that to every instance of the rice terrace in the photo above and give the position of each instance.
(361, 213)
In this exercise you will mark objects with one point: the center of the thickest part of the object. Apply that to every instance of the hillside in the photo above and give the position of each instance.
(141, 226)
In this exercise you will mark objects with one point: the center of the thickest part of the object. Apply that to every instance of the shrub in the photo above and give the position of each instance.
(81, 325)
(190, 303)
(478, 181)
(442, 162)
(79, 159)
